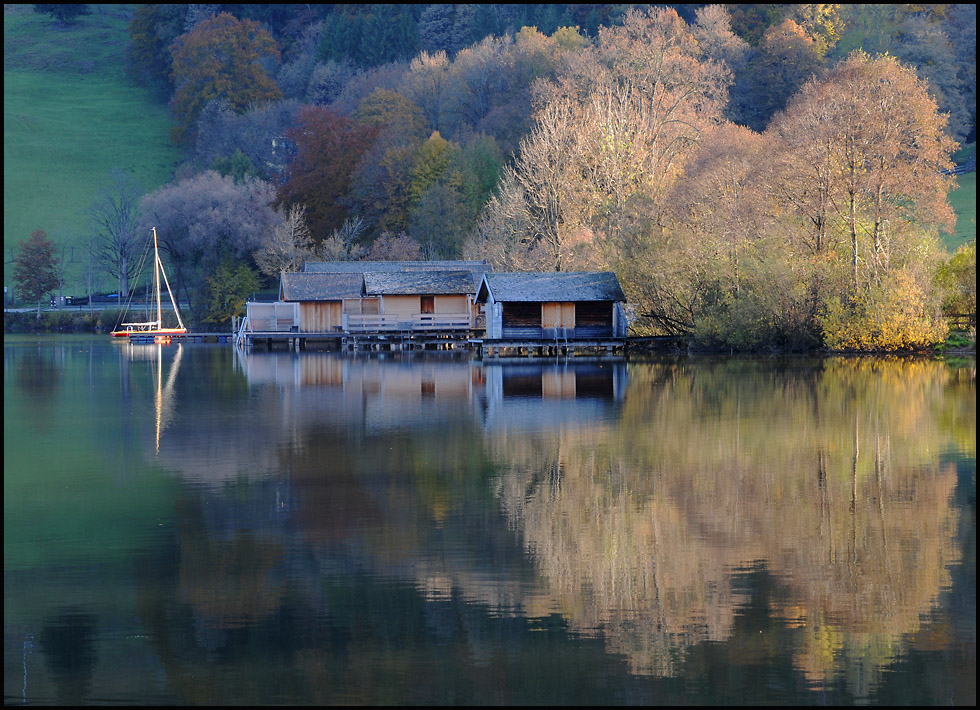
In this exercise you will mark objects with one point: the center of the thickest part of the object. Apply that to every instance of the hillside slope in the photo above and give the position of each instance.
(71, 115)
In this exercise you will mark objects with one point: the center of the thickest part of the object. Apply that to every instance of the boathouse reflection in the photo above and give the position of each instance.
(552, 394)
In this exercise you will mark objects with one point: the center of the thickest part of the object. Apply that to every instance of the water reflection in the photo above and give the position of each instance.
(163, 395)
(829, 480)
(68, 644)
(638, 519)
(37, 374)
(347, 529)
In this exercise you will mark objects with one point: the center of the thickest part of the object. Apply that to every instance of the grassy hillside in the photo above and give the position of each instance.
(71, 115)
(964, 202)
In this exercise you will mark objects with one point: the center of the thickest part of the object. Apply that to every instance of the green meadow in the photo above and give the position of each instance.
(964, 202)
(70, 116)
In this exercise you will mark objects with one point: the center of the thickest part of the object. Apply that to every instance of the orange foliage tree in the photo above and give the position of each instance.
(221, 58)
(869, 141)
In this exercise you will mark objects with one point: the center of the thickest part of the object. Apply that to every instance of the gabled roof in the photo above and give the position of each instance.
(321, 287)
(419, 282)
(547, 287)
(364, 267)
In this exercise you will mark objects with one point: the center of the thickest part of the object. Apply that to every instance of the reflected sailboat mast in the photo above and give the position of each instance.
(164, 393)
(159, 392)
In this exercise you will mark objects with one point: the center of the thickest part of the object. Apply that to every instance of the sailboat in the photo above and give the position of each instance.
(154, 327)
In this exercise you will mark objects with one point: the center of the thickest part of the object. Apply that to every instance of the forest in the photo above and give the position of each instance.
(760, 177)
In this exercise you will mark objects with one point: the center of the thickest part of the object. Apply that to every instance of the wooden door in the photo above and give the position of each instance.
(558, 315)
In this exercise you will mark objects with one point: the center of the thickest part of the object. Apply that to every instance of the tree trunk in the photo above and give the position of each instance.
(123, 278)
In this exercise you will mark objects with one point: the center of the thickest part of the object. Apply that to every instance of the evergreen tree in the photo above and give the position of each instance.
(436, 28)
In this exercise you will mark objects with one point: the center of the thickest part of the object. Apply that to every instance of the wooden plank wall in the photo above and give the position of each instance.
(320, 316)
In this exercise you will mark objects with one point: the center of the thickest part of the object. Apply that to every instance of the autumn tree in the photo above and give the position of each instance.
(479, 78)
(205, 221)
(393, 247)
(589, 184)
(152, 30)
(958, 279)
(713, 31)
(871, 145)
(328, 147)
(453, 183)
(35, 268)
(220, 58)
(431, 164)
(287, 245)
(382, 180)
(783, 62)
(115, 218)
(822, 22)
(533, 210)
(926, 45)
(427, 84)
(739, 279)
(343, 243)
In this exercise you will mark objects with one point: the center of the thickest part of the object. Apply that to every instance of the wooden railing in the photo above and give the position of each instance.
(962, 320)
(265, 324)
(418, 322)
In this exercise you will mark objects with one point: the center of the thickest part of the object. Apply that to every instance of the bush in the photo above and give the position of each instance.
(892, 316)
(60, 322)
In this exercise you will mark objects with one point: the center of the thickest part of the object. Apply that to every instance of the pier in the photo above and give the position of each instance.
(145, 338)
(519, 347)
(392, 340)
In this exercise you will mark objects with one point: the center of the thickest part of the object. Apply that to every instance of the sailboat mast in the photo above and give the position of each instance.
(156, 277)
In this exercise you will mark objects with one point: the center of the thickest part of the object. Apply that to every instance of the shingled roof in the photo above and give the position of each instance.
(321, 287)
(419, 282)
(548, 287)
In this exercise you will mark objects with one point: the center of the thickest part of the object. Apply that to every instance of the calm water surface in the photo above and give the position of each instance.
(187, 525)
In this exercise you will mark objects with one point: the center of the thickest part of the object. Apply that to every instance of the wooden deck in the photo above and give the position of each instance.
(522, 347)
(181, 338)
(393, 340)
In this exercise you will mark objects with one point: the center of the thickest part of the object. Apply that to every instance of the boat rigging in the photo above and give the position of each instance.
(154, 327)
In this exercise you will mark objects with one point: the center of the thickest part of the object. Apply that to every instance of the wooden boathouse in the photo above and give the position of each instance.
(552, 313)
(440, 305)
(371, 305)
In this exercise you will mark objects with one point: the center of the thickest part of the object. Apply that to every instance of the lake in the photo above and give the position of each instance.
(189, 524)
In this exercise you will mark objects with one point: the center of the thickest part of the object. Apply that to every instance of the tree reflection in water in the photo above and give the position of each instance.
(692, 517)
(825, 476)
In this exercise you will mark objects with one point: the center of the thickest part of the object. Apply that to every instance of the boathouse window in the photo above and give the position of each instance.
(593, 313)
(519, 313)
(428, 304)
